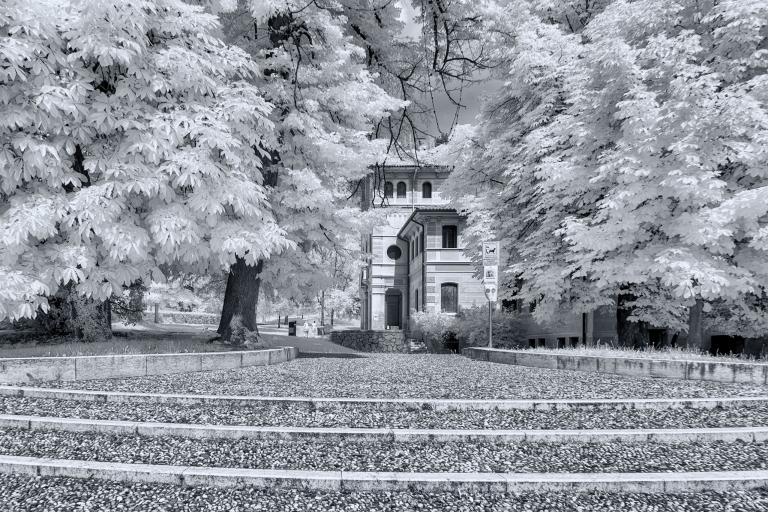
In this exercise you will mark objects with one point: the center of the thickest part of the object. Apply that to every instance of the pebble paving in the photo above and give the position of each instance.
(414, 376)
(55, 494)
(331, 455)
(389, 415)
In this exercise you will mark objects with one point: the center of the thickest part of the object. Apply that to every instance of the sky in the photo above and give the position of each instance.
(471, 96)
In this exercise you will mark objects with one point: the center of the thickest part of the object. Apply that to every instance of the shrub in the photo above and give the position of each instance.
(434, 329)
(176, 317)
(472, 328)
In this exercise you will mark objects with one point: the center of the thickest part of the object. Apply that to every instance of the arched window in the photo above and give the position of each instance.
(401, 189)
(388, 189)
(449, 297)
(426, 190)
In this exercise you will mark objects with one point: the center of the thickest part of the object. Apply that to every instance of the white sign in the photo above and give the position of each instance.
(490, 254)
(490, 275)
(491, 292)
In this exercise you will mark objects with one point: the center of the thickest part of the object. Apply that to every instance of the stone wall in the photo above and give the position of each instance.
(36, 369)
(371, 341)
(638, 367)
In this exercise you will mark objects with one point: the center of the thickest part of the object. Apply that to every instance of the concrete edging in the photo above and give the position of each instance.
(203, 431)
(716, 371)
(37, 369)
(382, 481)
(419, 403)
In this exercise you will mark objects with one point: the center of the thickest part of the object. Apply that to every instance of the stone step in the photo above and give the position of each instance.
(436, 404)
(43, 423)
(379, 481)
(387, 416)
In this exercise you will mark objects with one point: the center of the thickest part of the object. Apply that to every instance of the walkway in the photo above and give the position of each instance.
(274, 337)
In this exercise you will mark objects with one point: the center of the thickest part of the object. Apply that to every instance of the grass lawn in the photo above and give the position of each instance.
(136, 339)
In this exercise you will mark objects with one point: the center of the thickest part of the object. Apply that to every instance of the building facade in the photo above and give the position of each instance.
(417, 261)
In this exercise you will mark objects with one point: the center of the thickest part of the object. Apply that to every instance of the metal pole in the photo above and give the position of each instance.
(490, 324)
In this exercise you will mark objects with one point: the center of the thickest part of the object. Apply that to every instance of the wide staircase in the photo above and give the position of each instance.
(339, 453)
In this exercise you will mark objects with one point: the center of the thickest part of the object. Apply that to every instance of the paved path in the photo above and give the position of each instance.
(274, 337)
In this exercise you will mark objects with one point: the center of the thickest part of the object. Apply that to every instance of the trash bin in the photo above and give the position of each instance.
(292, 328)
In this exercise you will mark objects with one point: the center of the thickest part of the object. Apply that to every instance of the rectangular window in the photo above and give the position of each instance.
(542, 342)
(450, 237)
(560, 342)
(574, 341)
(449, 297)
(416, 302)
(531, 342)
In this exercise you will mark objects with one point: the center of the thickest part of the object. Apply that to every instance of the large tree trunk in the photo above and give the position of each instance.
(631, 334)
(238, 313)
(695, 336)
(322, 307)
(91, 320)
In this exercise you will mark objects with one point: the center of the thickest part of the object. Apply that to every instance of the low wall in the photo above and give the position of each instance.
(38, 369)
(371, 341)
(667, 368)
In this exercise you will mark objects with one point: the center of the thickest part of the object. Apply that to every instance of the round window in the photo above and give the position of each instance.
(394, 252)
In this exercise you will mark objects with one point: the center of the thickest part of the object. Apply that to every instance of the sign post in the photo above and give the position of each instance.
(490, 281)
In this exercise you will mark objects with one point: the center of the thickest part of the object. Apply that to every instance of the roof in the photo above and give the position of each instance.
(421, 209)
(431, 167)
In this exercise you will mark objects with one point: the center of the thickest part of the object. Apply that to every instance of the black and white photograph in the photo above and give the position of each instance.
(383, 255)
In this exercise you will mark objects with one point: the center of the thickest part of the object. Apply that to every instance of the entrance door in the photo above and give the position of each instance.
(393, 302)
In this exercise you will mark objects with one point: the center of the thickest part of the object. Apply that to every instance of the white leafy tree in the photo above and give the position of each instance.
(130, 137)
(326, 105)
(633, 161)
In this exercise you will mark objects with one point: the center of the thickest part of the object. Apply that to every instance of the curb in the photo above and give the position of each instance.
(384, 435)
(36, 369)
(358, 481)
(418, 403)
(681, 369)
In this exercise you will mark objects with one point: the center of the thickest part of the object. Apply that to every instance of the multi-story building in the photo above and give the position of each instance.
(417, 260)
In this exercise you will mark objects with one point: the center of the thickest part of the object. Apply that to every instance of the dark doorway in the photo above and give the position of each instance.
(726, 345)
(393, 306)
(657, 337)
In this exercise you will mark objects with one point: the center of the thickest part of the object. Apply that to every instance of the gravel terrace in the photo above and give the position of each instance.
(388, 415)
(414, 376)
(332, 455)
(46, 494)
